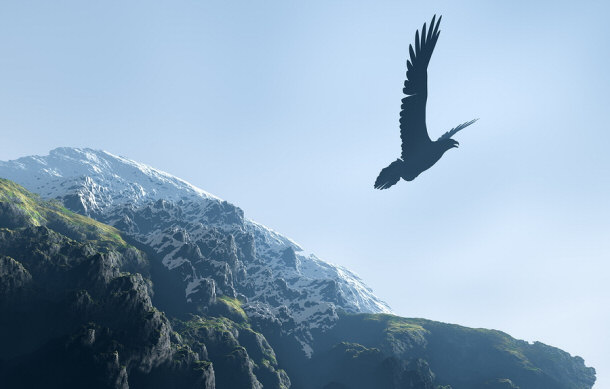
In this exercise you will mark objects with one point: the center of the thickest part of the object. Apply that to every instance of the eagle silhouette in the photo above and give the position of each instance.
(419, 153)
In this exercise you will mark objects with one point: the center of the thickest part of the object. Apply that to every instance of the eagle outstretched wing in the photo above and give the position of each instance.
(413, 131)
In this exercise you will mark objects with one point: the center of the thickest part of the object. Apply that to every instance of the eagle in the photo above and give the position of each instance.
(419, 152)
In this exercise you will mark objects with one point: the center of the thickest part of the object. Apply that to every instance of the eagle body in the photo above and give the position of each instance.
(415, 164)
(419, 152)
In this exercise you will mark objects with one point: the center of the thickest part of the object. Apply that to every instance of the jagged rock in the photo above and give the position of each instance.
(226, 345)
(261, 352)
(354, 366)
(14, 278)
(185, 370)
(71, 283)
(198, 236)
(500, 383)
(11, 215)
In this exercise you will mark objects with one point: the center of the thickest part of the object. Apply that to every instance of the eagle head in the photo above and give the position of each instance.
(448, 143)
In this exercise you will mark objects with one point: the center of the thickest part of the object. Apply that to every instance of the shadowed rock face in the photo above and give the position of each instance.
(77, 306)
(78, 312)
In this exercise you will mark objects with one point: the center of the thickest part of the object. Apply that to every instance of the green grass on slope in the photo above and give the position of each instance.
(474, 338)
(450, 339)
(39, 212)
(395, 326)
(234, 305)
(27, 202)
(486, 354)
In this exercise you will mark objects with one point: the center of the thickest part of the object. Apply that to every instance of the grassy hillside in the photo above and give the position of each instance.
(24, 208)
(465, 358)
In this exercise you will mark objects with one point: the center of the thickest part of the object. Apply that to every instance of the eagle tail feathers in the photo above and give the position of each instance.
(389, 175)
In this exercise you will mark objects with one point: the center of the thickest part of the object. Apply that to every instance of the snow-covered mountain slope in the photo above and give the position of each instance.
(206, 242)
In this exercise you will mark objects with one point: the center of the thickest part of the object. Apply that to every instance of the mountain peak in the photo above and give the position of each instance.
(117, 174)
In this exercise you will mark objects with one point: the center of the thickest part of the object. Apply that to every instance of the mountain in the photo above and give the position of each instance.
(119, 275)
(206, 243)
(76, 310)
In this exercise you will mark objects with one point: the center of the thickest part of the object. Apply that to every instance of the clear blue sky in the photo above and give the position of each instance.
(290, 109)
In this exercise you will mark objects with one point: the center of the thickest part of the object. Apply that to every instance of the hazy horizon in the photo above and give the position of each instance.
(289, 111)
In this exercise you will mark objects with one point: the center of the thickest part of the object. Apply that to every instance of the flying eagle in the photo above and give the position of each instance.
(419, 152)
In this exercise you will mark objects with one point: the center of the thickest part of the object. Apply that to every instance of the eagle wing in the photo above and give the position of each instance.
(454, 130)
(413, 131)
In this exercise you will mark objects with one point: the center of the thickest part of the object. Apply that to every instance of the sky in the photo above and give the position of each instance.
(289, 109)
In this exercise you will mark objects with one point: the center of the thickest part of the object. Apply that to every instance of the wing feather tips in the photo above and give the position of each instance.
(456, 129)
(431, 28)
(389, 175)
(438, 23)
(434, 32)
(424, 43)
(423, 35)
(407, 90)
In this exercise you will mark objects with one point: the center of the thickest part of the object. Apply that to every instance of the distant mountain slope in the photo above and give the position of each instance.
(206, 242)
(462, 357)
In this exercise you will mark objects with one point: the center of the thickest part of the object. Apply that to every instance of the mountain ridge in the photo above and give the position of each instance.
(181, 223)
(85, 304)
